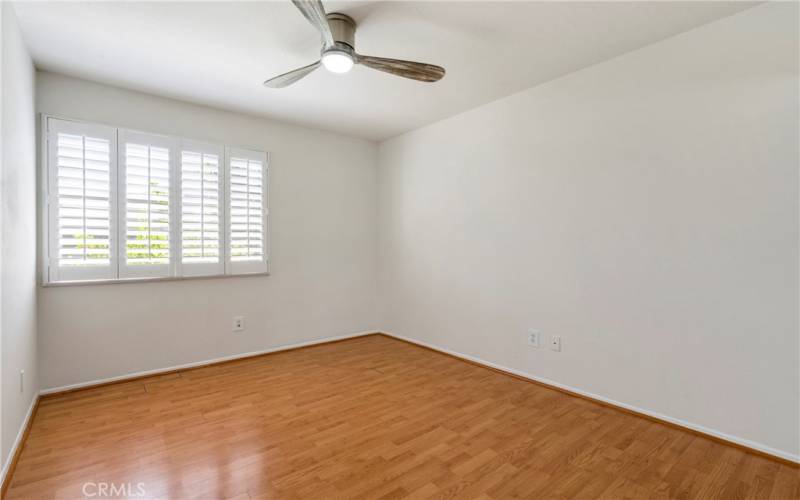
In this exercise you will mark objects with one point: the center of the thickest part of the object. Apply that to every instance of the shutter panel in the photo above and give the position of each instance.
(81, 198)
(146, 193)
(247, 241)
(201, 209)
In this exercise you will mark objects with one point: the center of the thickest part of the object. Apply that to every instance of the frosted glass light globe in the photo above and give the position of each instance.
(337, 61)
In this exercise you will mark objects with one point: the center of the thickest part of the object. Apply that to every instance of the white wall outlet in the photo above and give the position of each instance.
(533, 338)
(22, 381)
(238, 323)
(555, 343)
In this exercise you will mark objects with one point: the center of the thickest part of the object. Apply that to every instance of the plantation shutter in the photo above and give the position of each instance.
(247, 242)
(201, 209)
(121, 204)
(145, 186)
(80, 199)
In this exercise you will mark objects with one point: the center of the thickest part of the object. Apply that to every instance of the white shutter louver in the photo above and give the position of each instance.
(201, 217)
(146, 183)
(81, 198)
(247, 214)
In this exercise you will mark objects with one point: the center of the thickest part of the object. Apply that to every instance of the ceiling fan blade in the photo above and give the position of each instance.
(407, 69)
(289, 78)
(315, 13)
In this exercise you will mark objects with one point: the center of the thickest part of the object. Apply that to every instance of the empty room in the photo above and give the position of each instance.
(303, 249)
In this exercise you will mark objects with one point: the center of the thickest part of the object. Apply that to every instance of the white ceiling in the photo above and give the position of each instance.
(218, 54)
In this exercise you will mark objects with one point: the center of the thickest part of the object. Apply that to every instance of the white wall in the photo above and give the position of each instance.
(18, 266)
(323, 250)
(2, 454)
(644, 209)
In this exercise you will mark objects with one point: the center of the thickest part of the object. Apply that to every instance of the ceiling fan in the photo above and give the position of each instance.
(338, 53)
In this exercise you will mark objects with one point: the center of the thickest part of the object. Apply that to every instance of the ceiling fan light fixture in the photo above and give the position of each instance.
(338, 55)
(337, 61)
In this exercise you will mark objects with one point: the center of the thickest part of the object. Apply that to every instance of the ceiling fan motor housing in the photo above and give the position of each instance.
(343, 29)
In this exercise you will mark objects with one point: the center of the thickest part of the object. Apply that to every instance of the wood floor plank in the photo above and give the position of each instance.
(368, 418)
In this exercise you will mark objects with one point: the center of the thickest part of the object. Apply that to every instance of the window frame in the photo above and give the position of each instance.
(117, 272)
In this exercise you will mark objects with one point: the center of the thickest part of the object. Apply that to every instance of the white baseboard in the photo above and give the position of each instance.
(18, 440)
(676, 421)
(195, 364)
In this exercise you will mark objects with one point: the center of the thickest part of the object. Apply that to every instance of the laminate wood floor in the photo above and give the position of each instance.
(370, 417)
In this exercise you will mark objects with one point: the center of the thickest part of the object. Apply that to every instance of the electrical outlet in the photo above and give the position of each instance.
(238, 323)
(22, 381)
(533, 338)
(555, 343)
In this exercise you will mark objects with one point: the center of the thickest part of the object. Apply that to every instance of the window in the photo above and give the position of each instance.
(201, 209)
(81, 164)
(122, 204)
(246, 174)
(145, 227)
